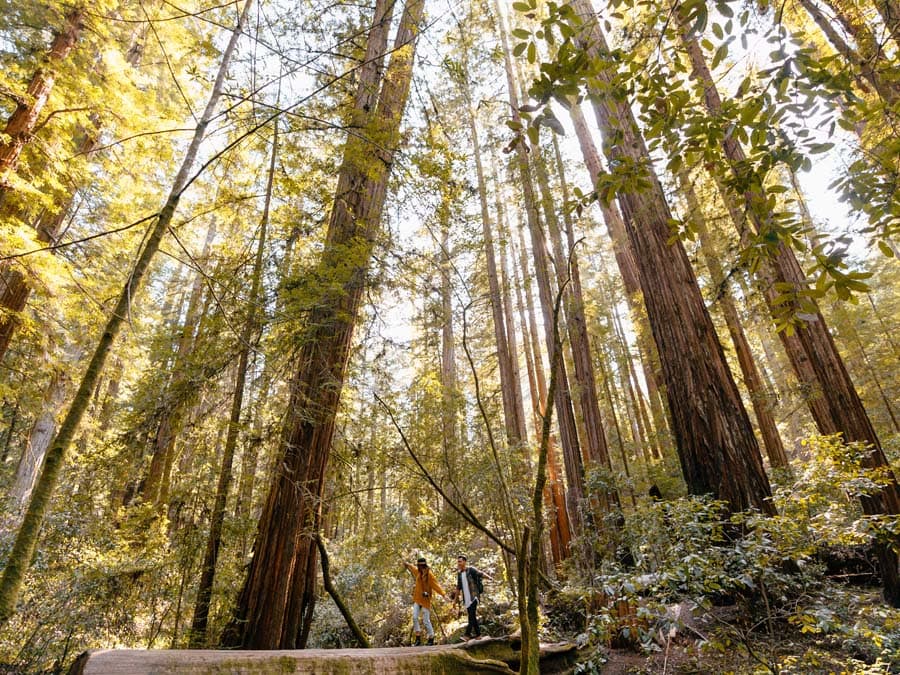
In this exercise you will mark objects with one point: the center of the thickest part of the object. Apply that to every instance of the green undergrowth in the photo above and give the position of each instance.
(747, 593)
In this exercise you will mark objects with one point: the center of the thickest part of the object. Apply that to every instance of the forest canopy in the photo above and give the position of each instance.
(602, 296)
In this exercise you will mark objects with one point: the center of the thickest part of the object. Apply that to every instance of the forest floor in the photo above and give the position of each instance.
(717, 641)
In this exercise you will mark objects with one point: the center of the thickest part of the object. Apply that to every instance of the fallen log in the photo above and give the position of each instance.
(488, 655)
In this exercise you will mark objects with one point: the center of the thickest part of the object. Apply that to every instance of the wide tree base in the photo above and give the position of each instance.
(487, 655)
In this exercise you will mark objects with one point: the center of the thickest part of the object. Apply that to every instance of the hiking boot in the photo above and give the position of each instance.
(418, 641)
(430, 641)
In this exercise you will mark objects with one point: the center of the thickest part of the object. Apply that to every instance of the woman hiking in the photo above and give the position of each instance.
(426, 586)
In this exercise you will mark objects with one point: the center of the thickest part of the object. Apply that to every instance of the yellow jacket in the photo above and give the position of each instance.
(425, 583)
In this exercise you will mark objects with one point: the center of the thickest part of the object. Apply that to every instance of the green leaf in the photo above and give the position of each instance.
(700, 20)
(720, 54)
(885, 249)
(817, 148)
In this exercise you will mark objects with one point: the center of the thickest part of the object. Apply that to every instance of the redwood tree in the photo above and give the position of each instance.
(275, 604)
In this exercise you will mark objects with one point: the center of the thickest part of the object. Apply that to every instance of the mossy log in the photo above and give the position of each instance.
(489, 655)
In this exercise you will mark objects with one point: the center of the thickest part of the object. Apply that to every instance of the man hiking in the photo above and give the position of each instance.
(469, 587)
(426, 585)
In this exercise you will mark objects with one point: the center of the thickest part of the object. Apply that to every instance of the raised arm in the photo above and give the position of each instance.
(437, 587)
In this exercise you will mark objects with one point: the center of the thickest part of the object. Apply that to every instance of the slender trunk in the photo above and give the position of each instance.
(620, 441)
(578, 309)
(867, 363)
(513, 413)
(887, 333)
(26, 539)
(530, 651)
(10, 431)
(566, 417)
(568, 277)
(449, 377)
(560, 529)
(250, 455)
(275, 605)
(38, 440)
(506, 296)
(638, 393)
(217, 517)
(178, 395)
(338, 600)
(637, 422)
(716, 444)
(627, 266)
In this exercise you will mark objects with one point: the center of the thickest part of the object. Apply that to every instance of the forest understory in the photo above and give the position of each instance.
(308, 308)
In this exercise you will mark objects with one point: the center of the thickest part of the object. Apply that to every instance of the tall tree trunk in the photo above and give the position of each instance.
(887, 333)
(275, 604)
(217, 517)
(178, 393)
(563, 401)
(26, 538)
(513, 412)
(16, 289)
(638, 430)
(18, 131)
(504, 235)
(620, 441)
(560, 529)
(38, 439)
(854, 336)
(449, 376)
(627, 266)
(716, 444)
(846, 413)
(21, 124)
(568, 278)
(752, 380)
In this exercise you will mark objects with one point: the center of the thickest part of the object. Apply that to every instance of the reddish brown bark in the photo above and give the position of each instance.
(716, 446)
(752, 379)
(513, 411)
(20, 125)
(568, 433)
(560, 527)
(841, 410)
(625, 262)
(275, 604)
